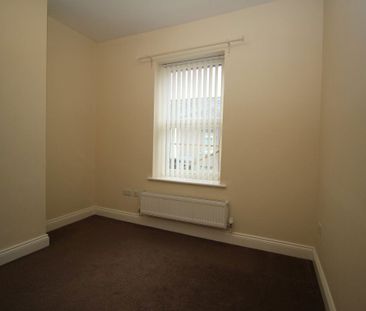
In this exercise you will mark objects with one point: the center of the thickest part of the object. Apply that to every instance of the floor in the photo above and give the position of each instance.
(103, 264)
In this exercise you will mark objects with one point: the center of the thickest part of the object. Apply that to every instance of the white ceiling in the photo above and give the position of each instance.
(108, 19)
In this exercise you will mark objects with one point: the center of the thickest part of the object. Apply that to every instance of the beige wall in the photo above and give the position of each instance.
(271, 126)
(22, 119)
(342, 247)
(271, 117)
(71, 98)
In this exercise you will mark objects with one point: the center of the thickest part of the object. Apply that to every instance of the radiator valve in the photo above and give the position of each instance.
(231, 221)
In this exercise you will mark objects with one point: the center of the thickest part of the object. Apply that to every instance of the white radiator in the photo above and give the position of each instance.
(197, 211)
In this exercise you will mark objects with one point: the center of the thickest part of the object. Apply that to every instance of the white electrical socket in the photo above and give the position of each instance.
(128, 192)
(137, 192)
(132, 193)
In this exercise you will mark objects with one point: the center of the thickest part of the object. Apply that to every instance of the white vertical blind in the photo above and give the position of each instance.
(188, 120)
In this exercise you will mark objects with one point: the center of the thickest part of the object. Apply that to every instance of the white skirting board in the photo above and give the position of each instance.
(23, 248)
(324, 287)
(235, 238)
(70, 218)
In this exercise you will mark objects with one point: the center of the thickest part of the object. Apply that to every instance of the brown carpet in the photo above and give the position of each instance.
(102, 264)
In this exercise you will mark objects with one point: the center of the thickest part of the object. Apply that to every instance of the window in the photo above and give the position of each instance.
(188, 120)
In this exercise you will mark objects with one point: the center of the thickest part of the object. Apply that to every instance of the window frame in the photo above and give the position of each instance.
(183, 180)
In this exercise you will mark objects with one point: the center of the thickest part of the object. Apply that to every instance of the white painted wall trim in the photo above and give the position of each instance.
(323, 284)
(23, 248)
(235, 238)
(275, 246)
(70, 218)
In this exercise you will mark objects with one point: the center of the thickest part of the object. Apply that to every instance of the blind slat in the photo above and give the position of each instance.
(187, 137)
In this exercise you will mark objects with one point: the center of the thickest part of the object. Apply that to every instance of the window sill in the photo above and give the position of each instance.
(189, 182)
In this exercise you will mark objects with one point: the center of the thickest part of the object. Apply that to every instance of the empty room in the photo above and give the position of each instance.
(183, 155)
